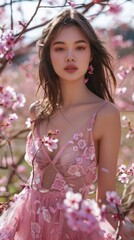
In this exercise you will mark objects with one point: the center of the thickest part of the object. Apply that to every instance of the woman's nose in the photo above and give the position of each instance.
(70, 57)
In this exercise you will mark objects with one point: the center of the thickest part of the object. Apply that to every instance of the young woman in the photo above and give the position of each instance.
(75, 136)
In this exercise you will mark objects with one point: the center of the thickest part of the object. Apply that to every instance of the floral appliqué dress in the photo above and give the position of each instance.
(37, 212)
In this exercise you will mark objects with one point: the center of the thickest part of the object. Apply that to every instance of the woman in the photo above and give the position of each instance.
(76, 133)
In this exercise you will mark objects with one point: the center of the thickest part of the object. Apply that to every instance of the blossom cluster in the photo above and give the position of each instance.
(123, 72)
(50, 141)
(85, 215)
(124, 173)
(119, 42)
(7, 42)
(10, 101)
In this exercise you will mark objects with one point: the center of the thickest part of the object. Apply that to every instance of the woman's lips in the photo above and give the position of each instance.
(70, 68)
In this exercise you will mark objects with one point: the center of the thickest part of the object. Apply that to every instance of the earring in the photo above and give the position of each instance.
(91, 69)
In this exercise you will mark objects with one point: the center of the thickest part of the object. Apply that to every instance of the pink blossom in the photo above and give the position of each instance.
(51, 143)
(21, 169)
(20, 101)
(130, 133)
(113, 198)
(120, 91)
(72, 200)
(13, 116)
(9, 55)
(89, 207)
(2, 189)
(122, 74)
(8, 97)
(115, 8)
(72, 216)
(117, 40)
(28, 122)
(124, 121)
(130, 171)
(82, 215)
(7, 42)
(9, 38)
(122, 168)
(123, 178)
(71, 3)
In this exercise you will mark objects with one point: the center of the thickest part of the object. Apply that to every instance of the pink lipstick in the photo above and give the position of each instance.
(70, 68)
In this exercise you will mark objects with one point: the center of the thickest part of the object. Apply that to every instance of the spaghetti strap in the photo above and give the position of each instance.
(102, 105)
(96, 112)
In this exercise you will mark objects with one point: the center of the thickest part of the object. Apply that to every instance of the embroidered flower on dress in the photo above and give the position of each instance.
(58, 182)
(75, 148)
(76, 170)
(79, 160)
(46, 214)
(89, 152)
(36, 229)
(81, 144)
(75, 136)
(80, 134)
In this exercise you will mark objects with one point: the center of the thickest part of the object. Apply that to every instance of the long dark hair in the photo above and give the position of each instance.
(102, 82)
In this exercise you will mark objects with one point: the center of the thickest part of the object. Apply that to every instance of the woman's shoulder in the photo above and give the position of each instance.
(33, 110)
(107, 119)
(37, 110)
(108, 109)
(107, 115)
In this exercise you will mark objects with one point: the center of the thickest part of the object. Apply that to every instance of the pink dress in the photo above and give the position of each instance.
(37, 213)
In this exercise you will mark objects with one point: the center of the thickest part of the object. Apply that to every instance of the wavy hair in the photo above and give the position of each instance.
(102, 82)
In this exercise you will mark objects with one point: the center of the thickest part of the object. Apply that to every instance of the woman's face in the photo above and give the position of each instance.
(70, 54)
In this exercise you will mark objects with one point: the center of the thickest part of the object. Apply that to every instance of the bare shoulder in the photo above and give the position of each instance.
(33, 111)
(108, 110)
(108, 119)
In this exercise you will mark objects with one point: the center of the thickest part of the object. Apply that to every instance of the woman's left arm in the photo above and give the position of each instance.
(109, 143)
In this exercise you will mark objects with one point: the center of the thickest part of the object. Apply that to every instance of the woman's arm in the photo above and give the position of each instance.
(108, 133)
(109, 143)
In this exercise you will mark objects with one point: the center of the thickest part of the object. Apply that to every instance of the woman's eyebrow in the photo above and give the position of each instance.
(61, 42)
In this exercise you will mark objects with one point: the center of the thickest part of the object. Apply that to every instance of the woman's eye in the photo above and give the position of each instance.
(59, 49)
(80, 48)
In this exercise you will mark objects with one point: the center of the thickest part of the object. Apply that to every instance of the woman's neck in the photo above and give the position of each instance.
(74, 93)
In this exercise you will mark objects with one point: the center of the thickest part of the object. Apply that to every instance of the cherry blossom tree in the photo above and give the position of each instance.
(18, 69)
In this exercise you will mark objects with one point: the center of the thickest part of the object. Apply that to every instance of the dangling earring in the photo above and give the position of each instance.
(91, 70)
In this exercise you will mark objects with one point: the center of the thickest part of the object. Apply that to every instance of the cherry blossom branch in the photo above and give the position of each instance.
(28, 23)
(11, 13)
